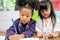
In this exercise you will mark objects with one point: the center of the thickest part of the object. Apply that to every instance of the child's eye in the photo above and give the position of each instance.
(42, 11)
(22, 15)
(27, 16)
(46, 9)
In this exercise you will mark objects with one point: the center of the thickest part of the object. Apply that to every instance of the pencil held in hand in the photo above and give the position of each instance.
(14, 26)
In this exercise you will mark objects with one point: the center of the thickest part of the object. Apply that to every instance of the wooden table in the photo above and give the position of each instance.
(57, 38)
(2, 33)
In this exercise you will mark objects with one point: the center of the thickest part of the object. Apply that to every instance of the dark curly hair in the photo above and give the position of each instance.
(33, 3)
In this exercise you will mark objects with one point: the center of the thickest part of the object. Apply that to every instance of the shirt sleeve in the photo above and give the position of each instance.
(57, 26)
(9, 32)
(38, 25)
(37, 28)
(29, 32)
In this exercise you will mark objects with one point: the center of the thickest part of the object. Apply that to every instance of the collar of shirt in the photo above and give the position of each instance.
(46, 24)
(20, 25)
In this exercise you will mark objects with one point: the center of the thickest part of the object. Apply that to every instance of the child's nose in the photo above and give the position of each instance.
(44, 12)
(24, 17)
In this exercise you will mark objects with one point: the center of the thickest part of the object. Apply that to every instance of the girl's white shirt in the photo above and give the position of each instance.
(41, 27)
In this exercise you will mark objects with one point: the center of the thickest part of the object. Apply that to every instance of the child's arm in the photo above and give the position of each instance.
(9, 32)
(57, 28)
(39, 28)
(39, 32)
(30, 31)
(11, 35)
(26, 34)
(16, 36)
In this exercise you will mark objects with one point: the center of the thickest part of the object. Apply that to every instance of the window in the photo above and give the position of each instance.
(7, 5)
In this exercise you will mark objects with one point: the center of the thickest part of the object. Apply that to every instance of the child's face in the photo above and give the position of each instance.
(46, 12)
(25, 15)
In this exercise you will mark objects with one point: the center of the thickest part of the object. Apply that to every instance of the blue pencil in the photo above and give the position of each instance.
(14, 26)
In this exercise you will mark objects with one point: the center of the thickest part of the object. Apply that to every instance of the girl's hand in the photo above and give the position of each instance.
(49, 35)
(39, 34)
(56, 34)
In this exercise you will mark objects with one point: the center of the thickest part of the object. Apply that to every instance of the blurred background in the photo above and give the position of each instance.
(7, 5)
(10, 4)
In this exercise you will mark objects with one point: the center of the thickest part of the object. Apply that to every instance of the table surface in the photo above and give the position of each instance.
(2, 33)
(57, 38)
(2, 37)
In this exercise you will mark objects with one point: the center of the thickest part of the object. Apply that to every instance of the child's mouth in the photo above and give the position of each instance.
(23, 21)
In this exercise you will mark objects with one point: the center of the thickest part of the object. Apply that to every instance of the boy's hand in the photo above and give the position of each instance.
(16, 36)
(40, 34)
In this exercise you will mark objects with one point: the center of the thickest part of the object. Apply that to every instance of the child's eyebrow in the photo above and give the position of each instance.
(27, 14)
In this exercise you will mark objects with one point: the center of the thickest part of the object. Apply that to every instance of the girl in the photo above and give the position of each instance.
(47, 23)
(25, 25)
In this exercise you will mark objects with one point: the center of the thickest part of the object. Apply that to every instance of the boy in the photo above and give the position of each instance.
(25, 25)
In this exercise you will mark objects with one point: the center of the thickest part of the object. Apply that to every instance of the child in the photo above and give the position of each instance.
(25, 25)
(47, 23)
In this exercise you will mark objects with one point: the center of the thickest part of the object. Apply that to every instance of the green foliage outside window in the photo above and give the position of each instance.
(10, 3)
